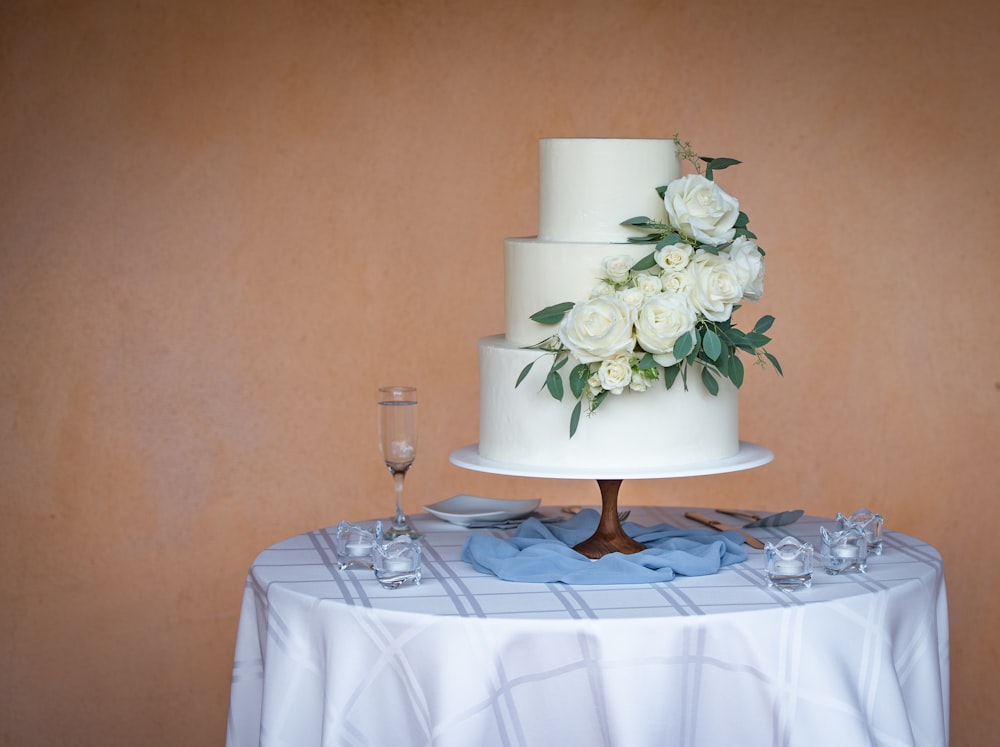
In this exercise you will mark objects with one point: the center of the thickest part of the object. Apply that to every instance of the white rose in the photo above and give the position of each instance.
(597, 329)
(676, 282)
(616, 269)
(594, 384)
(674, 257)
(602, 289)
(662, 321)
(650, 285)
(633, 298)
(639, 382)
(749, 262)
(700, 209)
(715, 285)
(616, 373)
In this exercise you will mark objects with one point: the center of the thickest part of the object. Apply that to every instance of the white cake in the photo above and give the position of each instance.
(587, 188)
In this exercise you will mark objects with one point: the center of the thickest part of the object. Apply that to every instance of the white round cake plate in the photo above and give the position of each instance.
(749, 456)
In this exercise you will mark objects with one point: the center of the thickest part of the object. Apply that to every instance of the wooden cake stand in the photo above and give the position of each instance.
(609, 536)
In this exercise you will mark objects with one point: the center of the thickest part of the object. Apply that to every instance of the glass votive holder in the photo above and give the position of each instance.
(788, 564)
(844, 550)
(397, 561)
(354, 543)
(870, 522)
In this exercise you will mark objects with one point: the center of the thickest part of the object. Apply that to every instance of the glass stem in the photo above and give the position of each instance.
(399, 523)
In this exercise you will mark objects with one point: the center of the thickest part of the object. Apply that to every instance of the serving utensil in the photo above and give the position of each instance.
(773, 520)
(715, 524)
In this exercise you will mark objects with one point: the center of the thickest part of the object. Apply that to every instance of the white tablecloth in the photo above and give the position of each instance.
(329, 657)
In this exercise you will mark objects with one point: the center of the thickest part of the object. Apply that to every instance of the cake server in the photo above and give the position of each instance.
(774, 520)
(702, 519)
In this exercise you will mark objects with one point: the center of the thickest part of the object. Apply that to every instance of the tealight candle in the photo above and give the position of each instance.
(790, 567)
(844, 551)
(397, 564)
(358, 549)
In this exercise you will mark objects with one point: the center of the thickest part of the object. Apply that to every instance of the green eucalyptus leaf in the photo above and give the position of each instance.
(763, 324)
(695, 348)
(722, 362)
(554, 384)
(645, 263)
(711, 344)
(742, 220)
(596, 401)
(524, 372)
(669, 240)
(774, 362)
(736, 371)
(670, 374)
(684, 345)
(552, 314)
(709, 381)
(661, 191)
(718, 164)
(639, 220)
(574, 419)
(578, 379)
(647, 362)
(559, 362)
(736, 336)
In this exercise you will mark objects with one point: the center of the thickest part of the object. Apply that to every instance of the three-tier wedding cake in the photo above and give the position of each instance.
(622, 317)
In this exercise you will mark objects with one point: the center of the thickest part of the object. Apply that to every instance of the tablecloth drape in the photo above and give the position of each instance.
(328, 657)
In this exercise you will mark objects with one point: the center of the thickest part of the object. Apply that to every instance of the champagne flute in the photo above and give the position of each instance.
(397, 430)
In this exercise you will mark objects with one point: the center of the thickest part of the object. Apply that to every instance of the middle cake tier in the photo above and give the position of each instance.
(539, 273)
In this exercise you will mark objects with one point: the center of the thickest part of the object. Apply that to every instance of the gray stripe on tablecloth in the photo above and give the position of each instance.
(594, 676)
(694, 651)
(668, 592)
(505, 710)
(464, 601)
(248, 669)
(564, 593)
(276, 629)
(921, 551)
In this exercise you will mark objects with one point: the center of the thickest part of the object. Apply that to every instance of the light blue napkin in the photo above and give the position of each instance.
(543, 553)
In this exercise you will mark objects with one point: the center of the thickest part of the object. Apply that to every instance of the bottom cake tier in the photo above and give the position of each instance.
(657, 429)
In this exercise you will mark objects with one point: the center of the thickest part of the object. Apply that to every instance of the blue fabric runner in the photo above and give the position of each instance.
(543, 553)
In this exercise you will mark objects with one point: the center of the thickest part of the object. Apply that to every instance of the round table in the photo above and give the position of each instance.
(329, 657)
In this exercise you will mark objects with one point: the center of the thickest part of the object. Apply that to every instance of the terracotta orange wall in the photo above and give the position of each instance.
(223, 224)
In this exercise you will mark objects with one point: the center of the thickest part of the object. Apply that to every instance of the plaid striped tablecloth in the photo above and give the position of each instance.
(329, 657)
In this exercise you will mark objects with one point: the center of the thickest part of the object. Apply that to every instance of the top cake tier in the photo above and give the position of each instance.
(587, 187)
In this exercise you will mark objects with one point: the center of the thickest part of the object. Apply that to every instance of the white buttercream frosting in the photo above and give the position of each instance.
(587, 187)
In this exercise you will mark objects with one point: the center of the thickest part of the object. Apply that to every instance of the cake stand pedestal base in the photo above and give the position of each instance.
(609, 536)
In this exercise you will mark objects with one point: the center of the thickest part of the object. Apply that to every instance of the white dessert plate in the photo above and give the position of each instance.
(472, 509)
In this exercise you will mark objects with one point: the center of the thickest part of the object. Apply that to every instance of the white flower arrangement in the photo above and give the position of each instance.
(669, 310)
